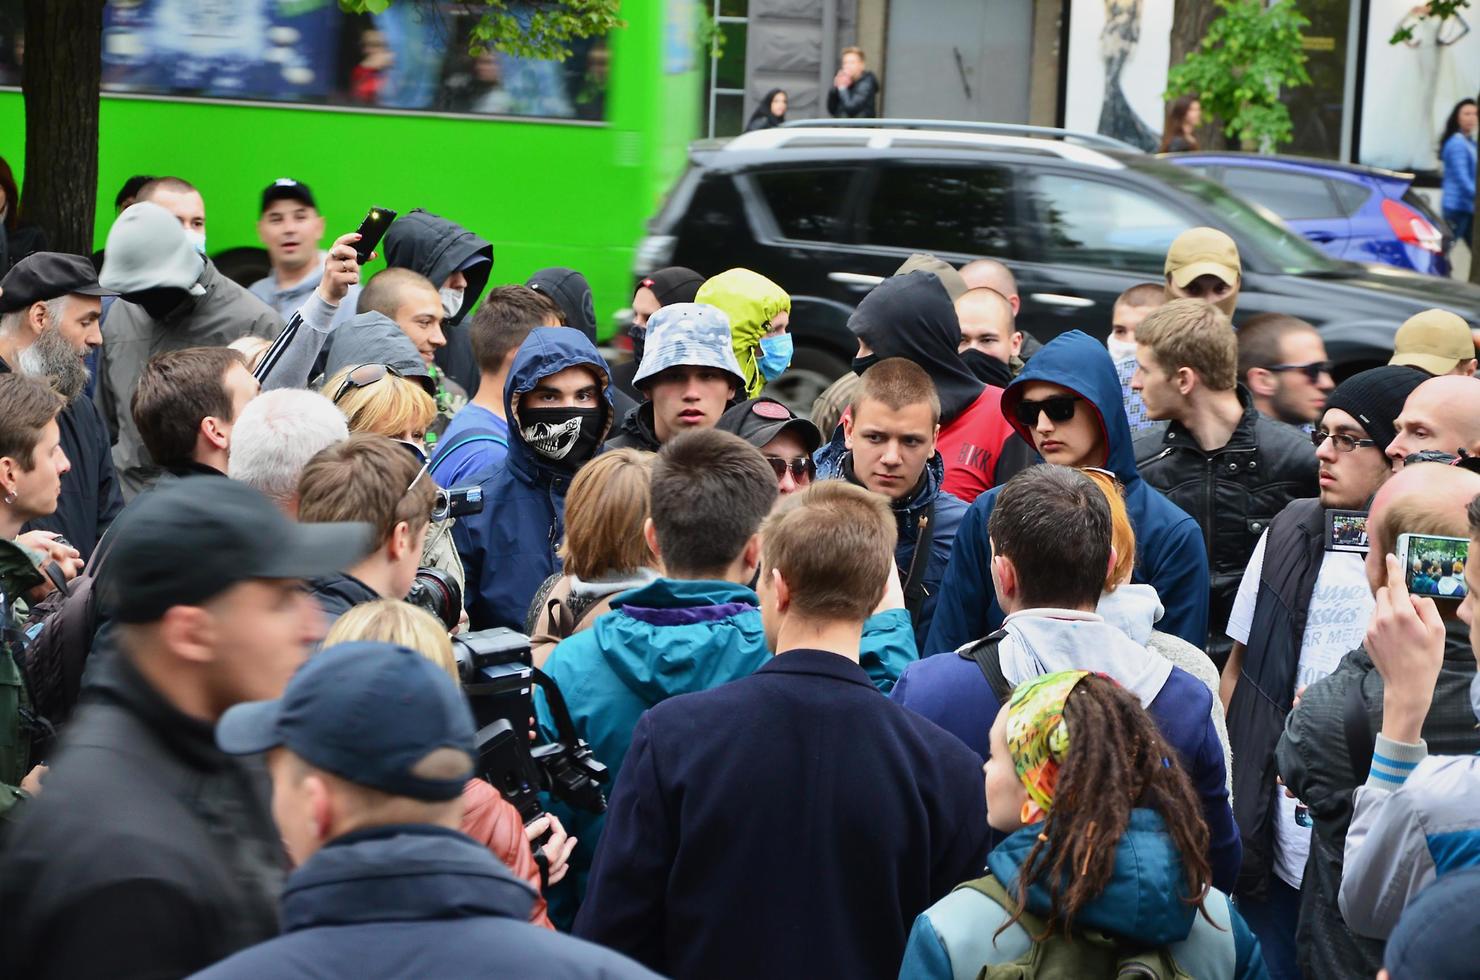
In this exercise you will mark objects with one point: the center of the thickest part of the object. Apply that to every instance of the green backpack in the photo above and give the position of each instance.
(1089, 953)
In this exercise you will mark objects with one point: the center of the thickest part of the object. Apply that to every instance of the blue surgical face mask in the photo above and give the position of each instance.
(775, 355)
(1475, 696)
(197, 240)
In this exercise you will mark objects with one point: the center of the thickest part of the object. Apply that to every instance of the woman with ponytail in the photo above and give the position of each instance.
(1105, 867)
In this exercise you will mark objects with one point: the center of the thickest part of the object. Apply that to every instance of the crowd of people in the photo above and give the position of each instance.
(1018, 654)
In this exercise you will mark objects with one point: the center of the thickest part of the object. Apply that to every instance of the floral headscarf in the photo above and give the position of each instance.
(1036, 733)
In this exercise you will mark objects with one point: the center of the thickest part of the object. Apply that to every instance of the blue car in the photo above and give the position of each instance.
(1360, 214)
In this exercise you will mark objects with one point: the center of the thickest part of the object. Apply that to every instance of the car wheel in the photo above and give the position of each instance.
(243, 266)
(811, 372)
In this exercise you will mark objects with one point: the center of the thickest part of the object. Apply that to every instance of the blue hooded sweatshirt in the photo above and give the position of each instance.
(835, 461)
(1142, 904)
(1170, 554)
(508, 548)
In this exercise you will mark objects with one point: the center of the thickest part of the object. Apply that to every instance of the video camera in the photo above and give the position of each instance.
(499, 678)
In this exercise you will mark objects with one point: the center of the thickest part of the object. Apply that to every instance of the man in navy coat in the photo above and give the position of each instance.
(791, 823)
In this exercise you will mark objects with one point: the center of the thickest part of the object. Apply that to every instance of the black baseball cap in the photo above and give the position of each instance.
(287, 189)
(368, 713)
(185, 542)
(43, 276)
(759, 420)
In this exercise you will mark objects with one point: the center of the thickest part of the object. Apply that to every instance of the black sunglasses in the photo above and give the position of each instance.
(363, 377)
(1344, 443)
(1059, 408)
(801, 466)
(1313, 370)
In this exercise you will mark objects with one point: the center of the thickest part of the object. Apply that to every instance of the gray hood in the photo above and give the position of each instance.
(147, 249)
(1132, 609)
(374, 338)
(1038, 642)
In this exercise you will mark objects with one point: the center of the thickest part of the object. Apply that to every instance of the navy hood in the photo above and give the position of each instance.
(398, 874)
(911, 316)
(547, 351)
(1077, 361)
(374, 338)
(436, 248)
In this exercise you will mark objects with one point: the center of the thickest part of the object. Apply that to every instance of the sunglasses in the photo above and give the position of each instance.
(1059, 408)
(363, 377)
(1313, 370)
(1344, 443)
(800, 468)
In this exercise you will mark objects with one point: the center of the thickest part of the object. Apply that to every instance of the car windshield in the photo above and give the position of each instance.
(1286, 250)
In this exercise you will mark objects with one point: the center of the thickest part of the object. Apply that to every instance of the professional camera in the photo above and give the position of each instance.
(499, 679)
(438, 593)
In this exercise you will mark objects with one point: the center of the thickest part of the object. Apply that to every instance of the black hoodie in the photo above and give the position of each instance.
(436, 248)
(911, 316)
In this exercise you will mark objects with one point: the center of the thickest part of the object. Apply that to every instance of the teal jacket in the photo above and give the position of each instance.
(671, 637)
(1143, 904)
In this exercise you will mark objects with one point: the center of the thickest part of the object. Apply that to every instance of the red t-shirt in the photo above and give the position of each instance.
(972, 444)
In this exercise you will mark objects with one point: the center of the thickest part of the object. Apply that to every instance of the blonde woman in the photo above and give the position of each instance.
(487, 817)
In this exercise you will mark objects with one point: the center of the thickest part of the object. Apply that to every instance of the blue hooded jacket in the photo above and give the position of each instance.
(1142, 904)
(834, 462)
(508, 548)
(414, 900)
(1170, 554)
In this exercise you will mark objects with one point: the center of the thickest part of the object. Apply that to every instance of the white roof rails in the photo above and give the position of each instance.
(901, 133)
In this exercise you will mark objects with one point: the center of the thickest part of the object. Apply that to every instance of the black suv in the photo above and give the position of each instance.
(827, 211)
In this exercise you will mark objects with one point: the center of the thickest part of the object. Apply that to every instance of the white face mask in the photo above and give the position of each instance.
(1121, 350)
(452, 301)
(197, 240)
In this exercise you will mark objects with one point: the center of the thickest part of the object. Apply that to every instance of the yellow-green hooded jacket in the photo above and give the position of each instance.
(750, 300)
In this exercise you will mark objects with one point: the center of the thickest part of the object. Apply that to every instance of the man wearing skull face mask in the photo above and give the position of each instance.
(559, 413)
(172, 298)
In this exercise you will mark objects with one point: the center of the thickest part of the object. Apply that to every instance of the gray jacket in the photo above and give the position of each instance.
(221, 314)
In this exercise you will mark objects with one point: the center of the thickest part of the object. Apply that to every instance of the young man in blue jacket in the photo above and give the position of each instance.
(1051, 551)
(1067, 403)
(559, 414)
(793, 822)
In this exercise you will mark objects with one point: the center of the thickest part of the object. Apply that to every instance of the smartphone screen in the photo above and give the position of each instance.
(1346, 530)
(371, 230)
(1434, 566)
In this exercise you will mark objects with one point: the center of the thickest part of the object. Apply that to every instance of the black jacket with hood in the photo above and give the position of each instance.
(436, 248)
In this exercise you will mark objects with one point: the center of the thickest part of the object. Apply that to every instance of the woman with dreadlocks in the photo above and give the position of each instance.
(1105, 873)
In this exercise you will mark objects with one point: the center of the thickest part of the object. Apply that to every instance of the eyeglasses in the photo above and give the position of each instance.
(1344, 443)
(1313, 370)
(800, 468)
(1059, 408)
(363, 377)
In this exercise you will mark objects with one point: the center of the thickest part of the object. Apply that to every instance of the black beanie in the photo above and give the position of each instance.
(1375, 399)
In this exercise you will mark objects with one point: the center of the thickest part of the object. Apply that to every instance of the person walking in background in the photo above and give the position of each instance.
(1457, 153)
(855, 90)
(770, 113)
(17, 240)
(1180, 133)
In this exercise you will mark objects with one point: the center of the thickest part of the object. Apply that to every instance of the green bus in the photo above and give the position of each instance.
(554, 163)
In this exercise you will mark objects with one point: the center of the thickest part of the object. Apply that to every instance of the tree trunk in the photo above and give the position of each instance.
(1190, 20)
(63, 74)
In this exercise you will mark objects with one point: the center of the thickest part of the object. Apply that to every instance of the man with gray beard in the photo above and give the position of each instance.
(50, 308)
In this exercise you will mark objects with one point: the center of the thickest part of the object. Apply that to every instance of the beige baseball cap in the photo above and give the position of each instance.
(1434, 341)
(1202, 252)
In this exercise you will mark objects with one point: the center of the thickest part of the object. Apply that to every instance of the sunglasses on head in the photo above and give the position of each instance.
(363, 376)
(1313, 370)
(801, 467)
(1059, 408)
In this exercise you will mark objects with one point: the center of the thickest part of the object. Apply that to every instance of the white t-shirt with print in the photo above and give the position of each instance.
(1340, 608)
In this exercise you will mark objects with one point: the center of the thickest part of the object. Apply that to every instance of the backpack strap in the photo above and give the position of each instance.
(468, 438)
(993, 889)
(1356, 725)
(984, 652)
(914, 584)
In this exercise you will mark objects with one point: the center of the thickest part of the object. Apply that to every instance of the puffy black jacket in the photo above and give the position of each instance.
(1232, 492)
(858, 101)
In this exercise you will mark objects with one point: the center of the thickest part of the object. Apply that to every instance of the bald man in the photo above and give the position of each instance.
(1315, 757)
(1441, 414)
(991, 274)
(989, 338)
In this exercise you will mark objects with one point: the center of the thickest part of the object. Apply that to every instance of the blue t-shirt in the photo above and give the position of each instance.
(455, 464)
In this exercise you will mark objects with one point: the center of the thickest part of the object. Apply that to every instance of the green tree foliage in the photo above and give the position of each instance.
(542, 29)
(1250, 53)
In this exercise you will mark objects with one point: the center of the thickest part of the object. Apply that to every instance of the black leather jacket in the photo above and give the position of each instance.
(1233, 493)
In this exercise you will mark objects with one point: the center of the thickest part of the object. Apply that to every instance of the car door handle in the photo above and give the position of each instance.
(855, 278)
(1059, 299)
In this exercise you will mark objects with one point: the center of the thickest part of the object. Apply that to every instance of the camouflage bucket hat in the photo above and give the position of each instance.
(688, 335)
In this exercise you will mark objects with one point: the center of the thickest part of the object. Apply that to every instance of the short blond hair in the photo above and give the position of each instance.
(833, 544)
(398, 622)
(1193, 334)
(853, 49)
(606, 507)
(390, 407)
(1122, 533)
